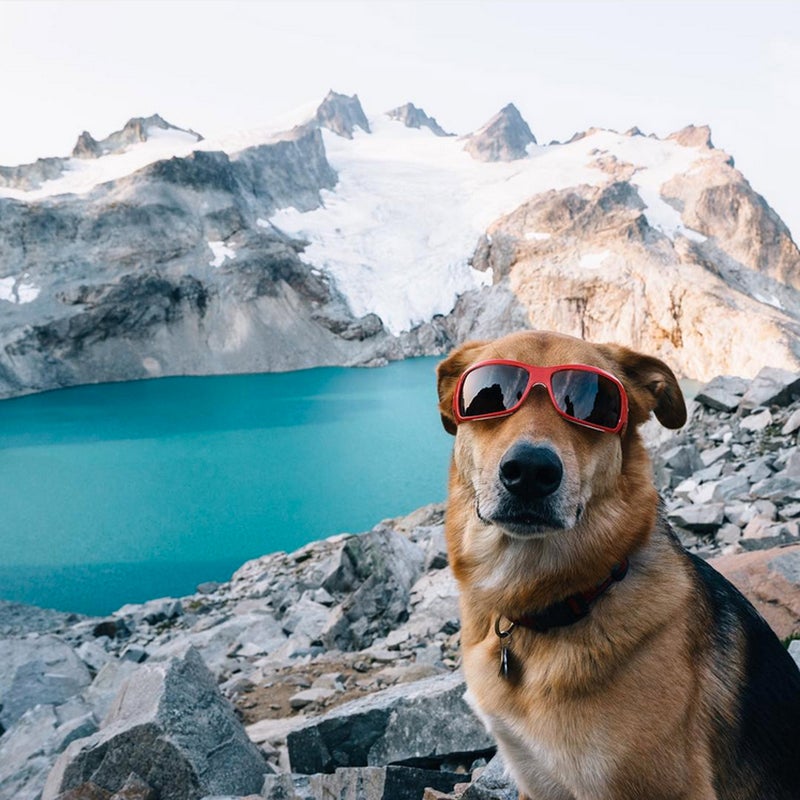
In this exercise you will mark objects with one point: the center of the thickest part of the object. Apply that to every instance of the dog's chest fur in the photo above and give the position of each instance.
(539, 763)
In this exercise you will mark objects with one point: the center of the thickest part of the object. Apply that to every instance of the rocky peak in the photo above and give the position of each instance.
(413, 117)
(505, 137)
(693, 136)
(136, 129)
(341, 114)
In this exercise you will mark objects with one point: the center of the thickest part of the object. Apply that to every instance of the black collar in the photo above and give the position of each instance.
(571, 609)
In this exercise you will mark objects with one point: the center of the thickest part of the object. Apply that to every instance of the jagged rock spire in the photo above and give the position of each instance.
(341, 114)
(504, 138)
(413, 117)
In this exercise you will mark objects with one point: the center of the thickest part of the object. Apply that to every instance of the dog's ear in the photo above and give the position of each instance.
(448, 372)
(651, 386)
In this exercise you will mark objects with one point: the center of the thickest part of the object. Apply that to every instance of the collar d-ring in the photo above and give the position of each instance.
(503, 633)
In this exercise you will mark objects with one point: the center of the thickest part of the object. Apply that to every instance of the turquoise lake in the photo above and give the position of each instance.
(123, 492)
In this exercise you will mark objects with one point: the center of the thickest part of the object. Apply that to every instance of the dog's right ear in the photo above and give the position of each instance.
(448, 372)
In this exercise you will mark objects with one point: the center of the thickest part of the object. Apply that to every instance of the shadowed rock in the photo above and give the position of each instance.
(169, 725)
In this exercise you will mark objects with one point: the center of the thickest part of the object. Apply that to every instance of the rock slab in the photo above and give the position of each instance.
(418, 720)
(170, 725)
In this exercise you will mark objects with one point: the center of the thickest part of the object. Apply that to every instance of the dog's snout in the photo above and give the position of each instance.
(530, 470)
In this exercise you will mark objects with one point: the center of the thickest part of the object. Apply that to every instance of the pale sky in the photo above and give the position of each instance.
(217, 67)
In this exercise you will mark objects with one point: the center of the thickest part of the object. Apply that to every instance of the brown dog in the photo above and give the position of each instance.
(608, 663)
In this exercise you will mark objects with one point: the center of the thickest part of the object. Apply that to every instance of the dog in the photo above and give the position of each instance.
(607, 662)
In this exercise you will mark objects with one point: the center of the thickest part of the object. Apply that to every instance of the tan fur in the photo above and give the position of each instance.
(615, 707)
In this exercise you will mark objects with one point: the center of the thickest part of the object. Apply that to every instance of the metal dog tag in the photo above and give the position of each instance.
(505, 642)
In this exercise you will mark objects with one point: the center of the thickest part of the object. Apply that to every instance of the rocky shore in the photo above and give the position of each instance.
(333, 671)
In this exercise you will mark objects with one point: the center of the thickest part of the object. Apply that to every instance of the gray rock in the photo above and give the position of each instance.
(307, 618)
(700, 519)
(94, 656)
(394, 782)
(170, 725)
(384, 566)
(788, 565)
(728, 534)
(682, 460)
(415, 720)
(723, 393)
(791, 424)
(757, 421)
(309, 696)
(792, 463)
(758, 469)
(19, 619)
(134, 653)
(106, 685)
(771, 386)
(709, 457)
(493, 783)
(37, 670)
(29, 748)
(777, 487)
(285, 787)
(152, 612)
(736, 485)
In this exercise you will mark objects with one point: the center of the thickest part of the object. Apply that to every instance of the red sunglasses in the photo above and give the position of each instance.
(585, 395)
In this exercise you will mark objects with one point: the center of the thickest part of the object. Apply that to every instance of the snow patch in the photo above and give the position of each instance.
(770, 300)
(18, 291)
(594, 260)
(536, 236)
(221, 251)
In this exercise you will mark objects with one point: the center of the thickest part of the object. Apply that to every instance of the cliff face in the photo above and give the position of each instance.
(352, 240)
(173, 269)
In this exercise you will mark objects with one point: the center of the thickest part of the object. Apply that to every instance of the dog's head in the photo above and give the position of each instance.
(536, 473)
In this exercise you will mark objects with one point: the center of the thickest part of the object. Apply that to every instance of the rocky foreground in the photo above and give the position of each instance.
(333, 671)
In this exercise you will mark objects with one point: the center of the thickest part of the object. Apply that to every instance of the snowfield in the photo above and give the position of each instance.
(397, 232)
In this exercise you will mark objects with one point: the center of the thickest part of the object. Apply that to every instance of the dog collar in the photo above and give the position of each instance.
(571, 609)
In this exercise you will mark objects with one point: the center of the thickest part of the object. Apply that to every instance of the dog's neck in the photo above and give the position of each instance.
(571, 609)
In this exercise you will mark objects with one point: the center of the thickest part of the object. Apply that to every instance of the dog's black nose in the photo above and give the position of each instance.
(530, 470)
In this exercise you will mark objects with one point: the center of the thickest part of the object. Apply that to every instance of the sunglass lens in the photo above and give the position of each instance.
(491, 389)
(588, 397)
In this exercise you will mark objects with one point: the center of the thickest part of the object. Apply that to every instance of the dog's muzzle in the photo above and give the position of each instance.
(528, 500)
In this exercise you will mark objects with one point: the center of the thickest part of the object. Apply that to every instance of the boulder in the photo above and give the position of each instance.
(413, 720)
(30, 746)
(723, 393)
(699, 518)
(770, 579)
(375, 573)
(493, 783)
(171, 726)
(39, 669)
(771, 386)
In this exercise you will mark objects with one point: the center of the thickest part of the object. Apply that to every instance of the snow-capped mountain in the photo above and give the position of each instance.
(340, 237)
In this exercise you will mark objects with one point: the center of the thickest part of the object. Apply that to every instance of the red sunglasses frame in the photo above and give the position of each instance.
(542, 376)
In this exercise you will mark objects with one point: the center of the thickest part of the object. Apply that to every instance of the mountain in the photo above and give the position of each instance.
(505, 137)
(338, 238)
(138, 129)
(413, 117)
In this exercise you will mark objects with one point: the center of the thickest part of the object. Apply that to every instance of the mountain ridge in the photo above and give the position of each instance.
(343, 238)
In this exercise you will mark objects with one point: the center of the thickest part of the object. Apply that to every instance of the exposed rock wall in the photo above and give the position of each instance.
(588, 262)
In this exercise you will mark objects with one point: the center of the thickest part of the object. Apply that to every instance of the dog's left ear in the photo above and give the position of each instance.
(651, 386)
(448, 372)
